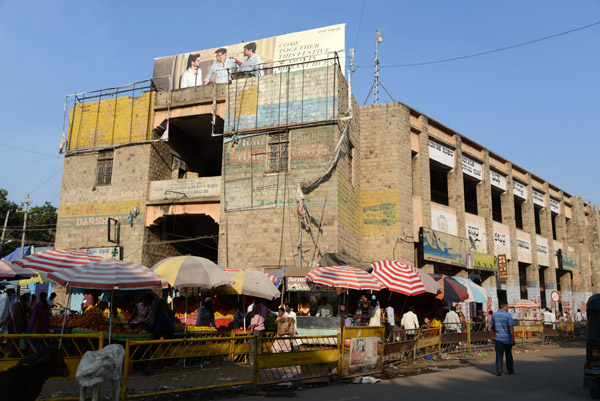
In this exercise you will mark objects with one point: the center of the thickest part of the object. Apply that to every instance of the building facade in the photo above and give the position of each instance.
(284, 168)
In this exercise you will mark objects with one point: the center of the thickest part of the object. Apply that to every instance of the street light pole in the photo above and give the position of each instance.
(27, 202)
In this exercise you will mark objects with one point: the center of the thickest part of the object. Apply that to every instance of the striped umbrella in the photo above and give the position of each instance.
(345, 277)
(109, 274)
(477, 293)
(398, 277)
(453, 291)
(233, 270)
(57, 259)
(12, 272)
(6, 270)
(191, 271)
(250, 282)
(525, 304)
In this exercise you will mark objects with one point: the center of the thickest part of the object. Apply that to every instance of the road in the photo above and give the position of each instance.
(549, 374)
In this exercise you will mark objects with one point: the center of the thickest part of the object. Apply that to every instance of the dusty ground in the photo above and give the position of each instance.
(391, 371)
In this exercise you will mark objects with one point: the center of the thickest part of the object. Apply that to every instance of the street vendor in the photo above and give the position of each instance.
(143, 314)
(304, 308)
(164, 322)
(363, 315)
(324, 309)
(206, 314)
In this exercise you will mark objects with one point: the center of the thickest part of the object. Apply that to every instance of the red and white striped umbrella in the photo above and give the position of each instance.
(398, 277)
(233, 270)
(345, 277)
(525, 304)
(57, 259)
(109, 274)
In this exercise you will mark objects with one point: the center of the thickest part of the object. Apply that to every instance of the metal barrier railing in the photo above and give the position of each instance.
(13, 347)
(284, 359)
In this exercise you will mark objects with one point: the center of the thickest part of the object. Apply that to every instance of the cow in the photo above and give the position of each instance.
(100, 366)
(24, 381)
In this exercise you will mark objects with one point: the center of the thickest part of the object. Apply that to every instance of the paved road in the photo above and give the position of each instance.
(549, 374)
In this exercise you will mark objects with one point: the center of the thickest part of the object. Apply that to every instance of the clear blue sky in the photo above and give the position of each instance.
(535, 105)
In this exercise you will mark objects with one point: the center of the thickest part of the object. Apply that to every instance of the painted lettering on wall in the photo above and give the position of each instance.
(500, 239)
(538, 198)
(519, 189)
(441, 153)
(384, 214)
(498, 180)
(471, 167)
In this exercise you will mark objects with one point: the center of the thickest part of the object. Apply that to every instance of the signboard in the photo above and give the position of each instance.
(203, 187)
(256, 58)
(555, 296)
(568, 260)
(441, 153)
(538, 198)
(444, 248)
(471, 167)
(554, 206)
(483, 261)
(363, 351)
(304, 284)
(502, 240)
(476, 233)
(498, 180)
(502, 268)
(107, 252)
(519, 189)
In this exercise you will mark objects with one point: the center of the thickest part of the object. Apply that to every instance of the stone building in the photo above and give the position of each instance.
(285, 168)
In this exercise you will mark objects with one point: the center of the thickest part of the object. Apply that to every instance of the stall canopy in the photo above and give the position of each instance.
(191, 271)
(250, 282)
(398, 277)
(345, 277)
(57, 259)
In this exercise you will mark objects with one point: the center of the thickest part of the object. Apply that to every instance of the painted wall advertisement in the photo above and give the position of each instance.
(520, 189)
(502, 268)
(542, 250)
(538, 198)
(498, 180)
(252, 58)
(441, 153)
(444, 248)
(502, 240)
(481, 261)
(524, 246)
(568, 259)
(443, 220)
(472, 168)
(475, 233)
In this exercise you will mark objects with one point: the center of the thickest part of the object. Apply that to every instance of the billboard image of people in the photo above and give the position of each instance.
(250, 59)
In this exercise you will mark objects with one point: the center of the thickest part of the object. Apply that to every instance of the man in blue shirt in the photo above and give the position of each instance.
(503, 327)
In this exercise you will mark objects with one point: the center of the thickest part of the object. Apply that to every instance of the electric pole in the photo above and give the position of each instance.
(27, 202)
(4, 231)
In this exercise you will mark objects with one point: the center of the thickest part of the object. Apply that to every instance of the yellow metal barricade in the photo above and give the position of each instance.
(362, 350)
(284, 359)
(13, 347)
(171, 366)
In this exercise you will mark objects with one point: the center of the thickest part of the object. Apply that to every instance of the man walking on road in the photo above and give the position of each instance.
(503, 328)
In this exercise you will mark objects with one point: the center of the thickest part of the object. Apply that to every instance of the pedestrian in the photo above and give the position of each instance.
(409, 323)
(5, 306)
(206, 315)
(374, 312)
(579, 316)
(164, 322)
(390, 322)
(291, 314)
(452, 321)
(504, 338)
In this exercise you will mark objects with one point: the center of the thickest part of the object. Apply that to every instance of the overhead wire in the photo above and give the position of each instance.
(31, 151)
(489, 51)
(359, 25)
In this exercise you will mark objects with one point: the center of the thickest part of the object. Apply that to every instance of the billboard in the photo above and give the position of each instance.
(254, 58)
(444, 248)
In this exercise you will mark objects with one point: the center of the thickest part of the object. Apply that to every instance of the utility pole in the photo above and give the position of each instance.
(4, 230)
(27, 202)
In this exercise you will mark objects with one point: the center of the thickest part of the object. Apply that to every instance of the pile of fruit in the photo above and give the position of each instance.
(201, 328)
(93, 319)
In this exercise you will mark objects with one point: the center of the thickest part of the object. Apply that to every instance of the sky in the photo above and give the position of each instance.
(535, 105)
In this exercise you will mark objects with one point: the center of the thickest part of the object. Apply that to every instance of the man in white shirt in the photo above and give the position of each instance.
(549, 318)
(410, 322)
(252, 66)
(291, 314)
(193, 75)
(219, 70)
(390, 322)
(324, 309)
(452, 321)
(5, 305)
(579, 316)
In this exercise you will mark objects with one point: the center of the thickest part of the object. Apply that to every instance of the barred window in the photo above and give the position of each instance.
(105, 166)
(277, 152)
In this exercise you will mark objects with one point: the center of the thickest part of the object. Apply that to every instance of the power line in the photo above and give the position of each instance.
(46, 181)
(359, 24)
(31, 151)
(489, 51)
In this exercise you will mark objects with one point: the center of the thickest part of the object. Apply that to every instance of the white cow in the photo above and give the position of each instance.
(99, 366)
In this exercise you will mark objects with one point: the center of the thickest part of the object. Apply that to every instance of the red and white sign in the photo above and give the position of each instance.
(555, 296)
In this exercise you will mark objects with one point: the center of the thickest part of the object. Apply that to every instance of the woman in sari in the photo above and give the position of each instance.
(285, 328)
(39, 318)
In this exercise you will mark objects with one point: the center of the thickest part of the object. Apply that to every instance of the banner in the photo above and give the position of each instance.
(444, 248)
(482, 261)
(253, 58)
